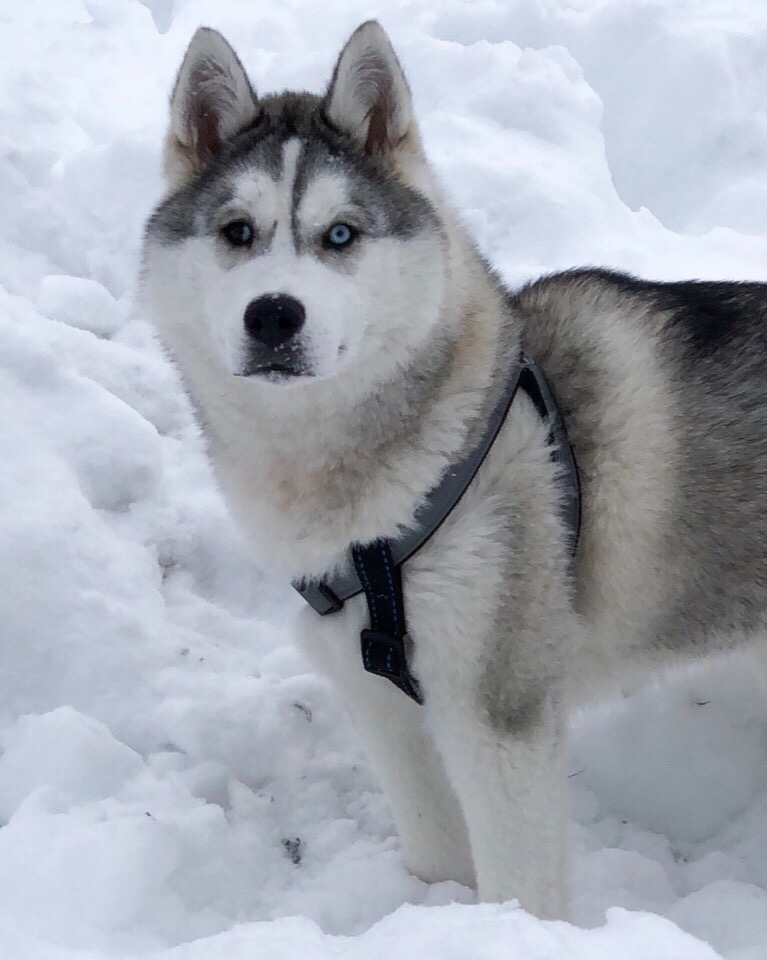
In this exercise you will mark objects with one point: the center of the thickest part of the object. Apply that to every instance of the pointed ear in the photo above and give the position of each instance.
(368, 95)
(211, 101)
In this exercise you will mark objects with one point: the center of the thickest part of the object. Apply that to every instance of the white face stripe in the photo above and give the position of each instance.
(291, 152)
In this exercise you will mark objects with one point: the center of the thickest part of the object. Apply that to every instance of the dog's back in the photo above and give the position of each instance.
(662, 386)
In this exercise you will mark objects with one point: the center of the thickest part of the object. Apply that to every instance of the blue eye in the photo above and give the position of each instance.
(339, 235)
(239, 233)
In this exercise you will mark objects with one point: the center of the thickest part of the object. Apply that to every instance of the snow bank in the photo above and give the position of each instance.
(174, 782)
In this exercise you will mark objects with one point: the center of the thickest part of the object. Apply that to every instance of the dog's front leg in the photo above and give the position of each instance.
(511, 784)
(426, 812)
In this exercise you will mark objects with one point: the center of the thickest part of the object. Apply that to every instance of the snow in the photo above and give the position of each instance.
(175, 783)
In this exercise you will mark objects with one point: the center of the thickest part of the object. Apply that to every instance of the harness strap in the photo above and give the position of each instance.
(383, 644)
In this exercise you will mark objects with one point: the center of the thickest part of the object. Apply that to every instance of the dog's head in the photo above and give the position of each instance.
(298, 237)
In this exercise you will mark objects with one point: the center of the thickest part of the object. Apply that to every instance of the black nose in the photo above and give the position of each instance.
(274, 318)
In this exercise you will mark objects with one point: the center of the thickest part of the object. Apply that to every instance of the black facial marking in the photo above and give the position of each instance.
(188, 212)
(391, 208)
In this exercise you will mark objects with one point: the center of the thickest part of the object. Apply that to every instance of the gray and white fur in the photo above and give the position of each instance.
(343, 342)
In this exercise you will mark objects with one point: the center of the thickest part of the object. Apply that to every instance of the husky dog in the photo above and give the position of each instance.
(344, 342)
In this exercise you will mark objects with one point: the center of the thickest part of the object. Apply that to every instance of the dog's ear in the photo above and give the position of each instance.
(212, 100)
(368, 96)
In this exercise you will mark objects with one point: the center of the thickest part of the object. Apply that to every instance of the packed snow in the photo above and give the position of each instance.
(175, 782)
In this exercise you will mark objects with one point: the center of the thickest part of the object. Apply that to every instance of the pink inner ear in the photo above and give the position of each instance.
(204, 121)
(205, 107)
(377, 139)
(377, 76)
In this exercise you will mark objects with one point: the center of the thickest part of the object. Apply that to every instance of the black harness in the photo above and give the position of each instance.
(377, 566)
